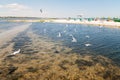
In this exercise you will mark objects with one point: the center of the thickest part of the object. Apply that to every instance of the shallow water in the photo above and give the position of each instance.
(89, 39)
(36, 49)
(83, 39)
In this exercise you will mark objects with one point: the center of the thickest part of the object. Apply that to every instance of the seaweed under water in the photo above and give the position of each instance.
(103, 41)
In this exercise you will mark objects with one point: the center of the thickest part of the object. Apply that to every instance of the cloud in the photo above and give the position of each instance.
(15, 7)
(1, 6)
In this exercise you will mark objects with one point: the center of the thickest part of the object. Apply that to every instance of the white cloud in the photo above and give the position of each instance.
(1, 6)
(14, 6)
(16, 9)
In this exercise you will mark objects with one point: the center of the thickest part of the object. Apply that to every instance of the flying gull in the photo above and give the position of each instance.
(16, 52)
(73, 38)
(59, 34)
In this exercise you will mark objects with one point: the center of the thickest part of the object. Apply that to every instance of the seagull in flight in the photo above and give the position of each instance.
(16, 52)
(59, 35)
(87, 45)
(41, 10)
(87, 36)
(73, 38)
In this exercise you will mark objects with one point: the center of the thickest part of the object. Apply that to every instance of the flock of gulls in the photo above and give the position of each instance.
(73, 39)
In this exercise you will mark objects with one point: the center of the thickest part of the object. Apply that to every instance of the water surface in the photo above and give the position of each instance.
(89, 39)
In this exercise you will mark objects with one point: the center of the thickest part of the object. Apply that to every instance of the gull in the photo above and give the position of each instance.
(73, 38)
(87, 44)
(16, 52)
(41, 10)
(59, 35)
(87, 36)
(13, 54)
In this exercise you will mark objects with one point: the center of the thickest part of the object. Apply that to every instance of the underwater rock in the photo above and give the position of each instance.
(83, 63)
(56, 51)
(12, 69)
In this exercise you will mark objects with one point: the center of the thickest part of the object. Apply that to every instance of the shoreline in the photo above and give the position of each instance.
(95, 23)
(109, 24)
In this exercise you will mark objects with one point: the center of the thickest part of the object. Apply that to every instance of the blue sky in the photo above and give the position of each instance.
(60, 8)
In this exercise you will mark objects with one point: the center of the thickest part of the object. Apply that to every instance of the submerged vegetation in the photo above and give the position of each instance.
(51, 66)
(42, 59)
(54, 62)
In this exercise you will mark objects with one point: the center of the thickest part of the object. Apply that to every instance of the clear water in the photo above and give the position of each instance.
(101, 41)
(4, 25)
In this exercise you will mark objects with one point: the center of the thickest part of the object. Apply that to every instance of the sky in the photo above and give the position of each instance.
(60, 8)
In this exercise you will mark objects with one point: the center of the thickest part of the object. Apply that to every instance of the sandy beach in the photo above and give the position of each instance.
(97, 23)
(111, 24)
